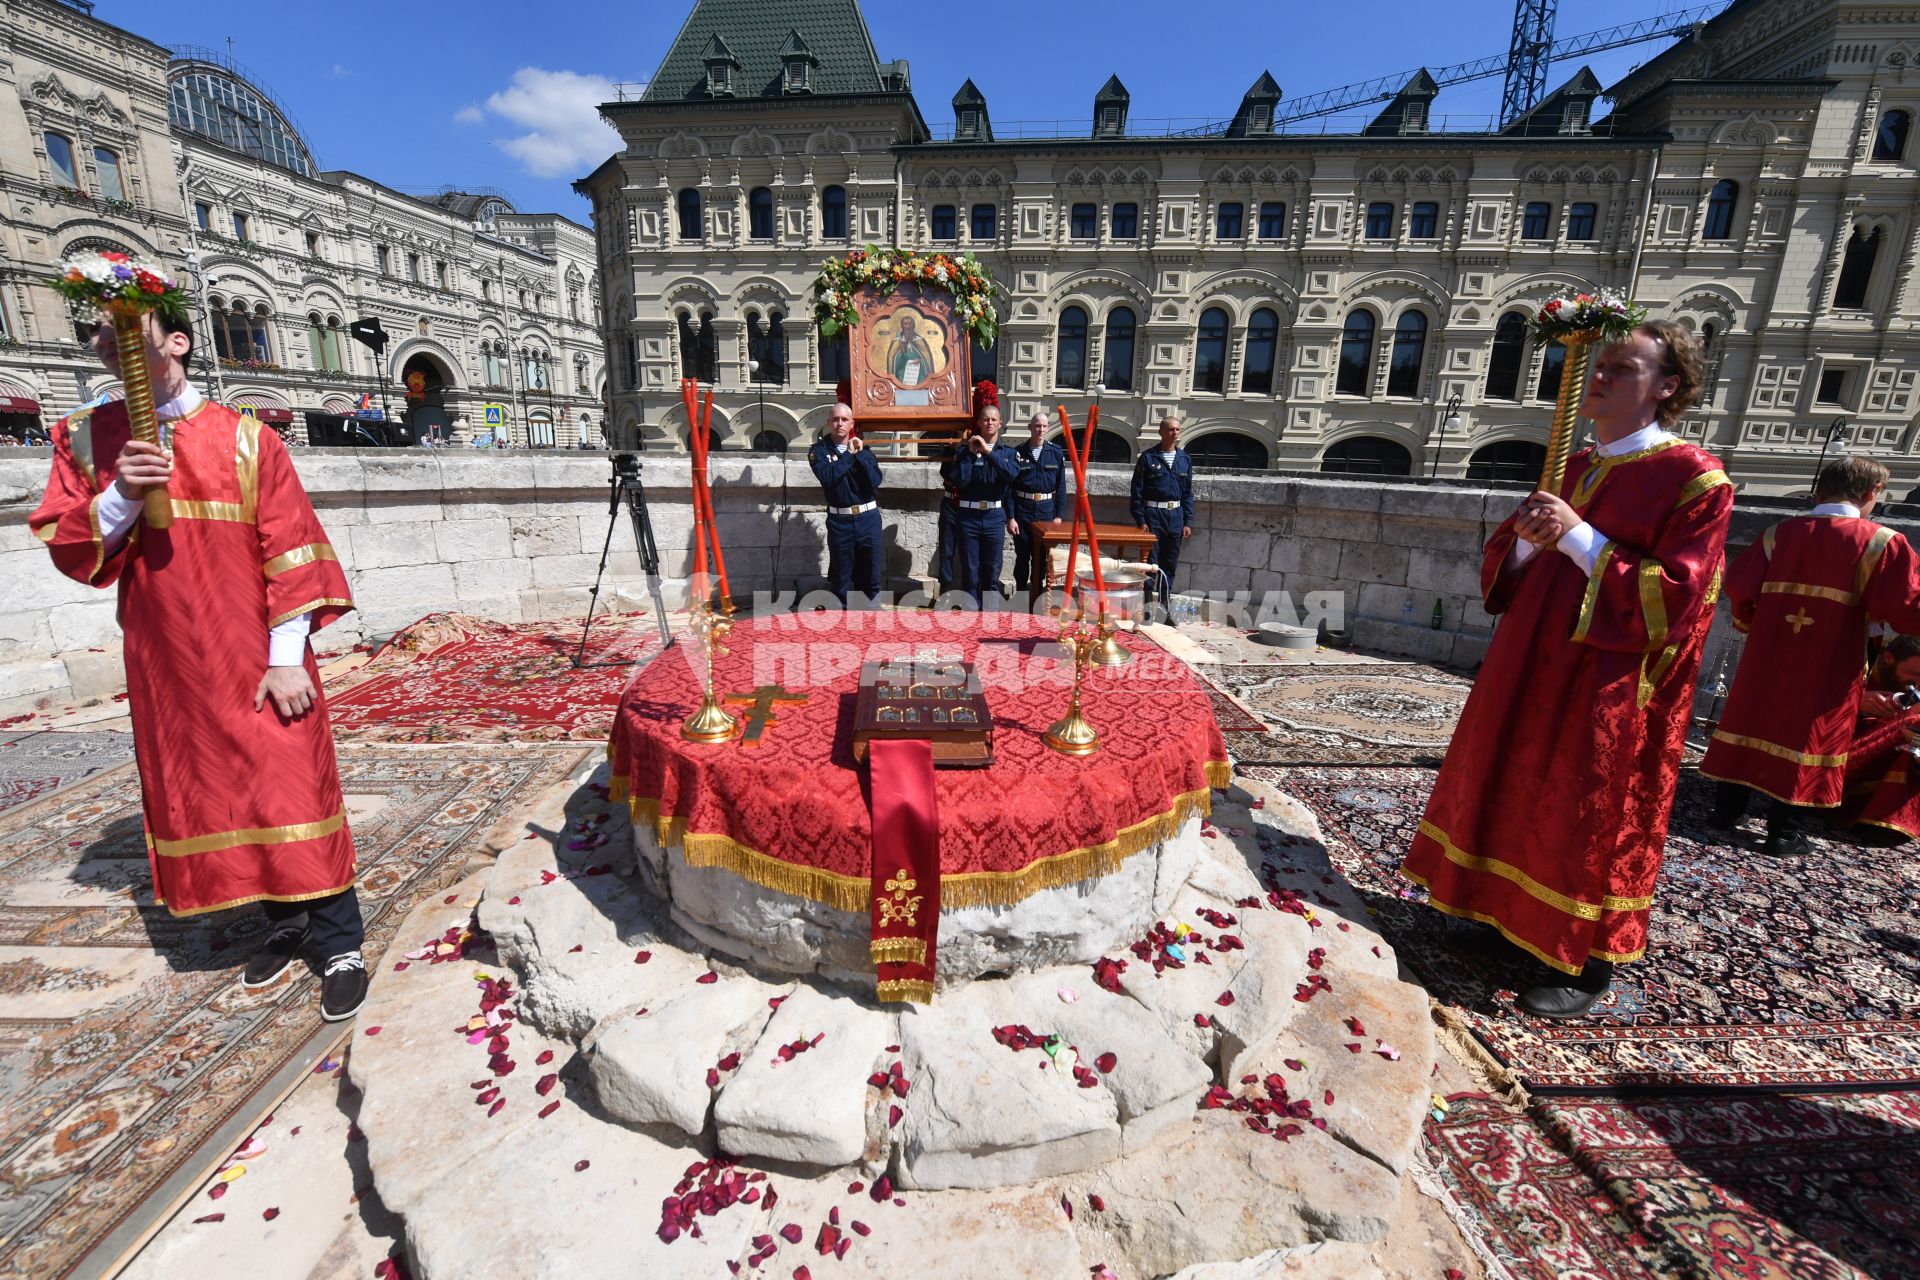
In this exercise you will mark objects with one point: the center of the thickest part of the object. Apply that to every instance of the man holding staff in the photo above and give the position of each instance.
(238, 782)
(1549, 816)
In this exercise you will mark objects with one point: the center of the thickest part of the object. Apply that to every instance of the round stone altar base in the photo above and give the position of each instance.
(1263, 1094)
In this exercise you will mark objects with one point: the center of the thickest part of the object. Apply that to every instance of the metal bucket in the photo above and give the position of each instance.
(1126, 594)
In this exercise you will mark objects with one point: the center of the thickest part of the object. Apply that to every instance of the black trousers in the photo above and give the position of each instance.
(335, 921)
(1730, 805)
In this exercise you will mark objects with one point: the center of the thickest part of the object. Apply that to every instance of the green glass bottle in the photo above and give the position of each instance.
(1438, 615)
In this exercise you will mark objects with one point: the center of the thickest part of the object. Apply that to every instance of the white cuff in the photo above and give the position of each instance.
(1581, 544)
(287, 643)
(117, 514)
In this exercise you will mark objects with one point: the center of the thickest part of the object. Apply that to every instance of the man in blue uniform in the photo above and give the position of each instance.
(981, 473)
(850, 474)
(1036, 496)
(1163, 501)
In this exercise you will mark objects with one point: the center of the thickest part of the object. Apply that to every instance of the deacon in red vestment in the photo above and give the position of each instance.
(1549, 816)
(237, 776)
(1804, 594)
(1883, 771)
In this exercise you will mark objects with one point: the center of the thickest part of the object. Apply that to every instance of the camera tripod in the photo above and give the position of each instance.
(626, 486)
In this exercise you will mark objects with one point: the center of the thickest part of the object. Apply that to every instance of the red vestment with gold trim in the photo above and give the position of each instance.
(240, 805)
(1804, 593)
(1549, 816)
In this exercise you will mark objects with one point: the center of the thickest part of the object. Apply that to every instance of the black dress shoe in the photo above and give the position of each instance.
(275, 954)
(1797, 844)
(343, 987)
(1569, 997)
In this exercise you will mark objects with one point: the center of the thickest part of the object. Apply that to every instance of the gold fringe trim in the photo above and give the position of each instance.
(965, 889)
(1493, 1076)
(906, 990)
(898, 951)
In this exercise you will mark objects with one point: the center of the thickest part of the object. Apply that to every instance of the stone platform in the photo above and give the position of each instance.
(1265, 1098)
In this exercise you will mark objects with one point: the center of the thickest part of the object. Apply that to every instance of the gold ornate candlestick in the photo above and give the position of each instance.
(1107, 649)
(710, 722)
(1074, 735)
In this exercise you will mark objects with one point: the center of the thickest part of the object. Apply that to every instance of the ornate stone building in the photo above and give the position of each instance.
(1342, 302)
(110, 141)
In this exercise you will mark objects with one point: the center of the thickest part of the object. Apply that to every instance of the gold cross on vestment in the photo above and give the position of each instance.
(760, 715)
(1799, 620)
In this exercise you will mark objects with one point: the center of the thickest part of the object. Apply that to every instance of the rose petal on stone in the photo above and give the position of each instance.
(544, 1085)
(211, 1217)
(791, 1233)
(1388, 1052)
(641, 957)
(1068, 995)
(217, 1190)
(1225, 999)
(1293, 1064)
(1096, 1204)
(1066, 1207)
(580, 1166)
(494, 1110)
(801, 1273)
(270, 1214)
(1202, 1020)
(514, 901)
(1353, 1048)
(860, 1228)
(729, 1063)
(373, 1031)
(713, 1078)
(1107, 1062)
(1328, 1098)
(550, 1108)
(546, 1056)
(893, 1116)
(708, 978)
(1353, 1025)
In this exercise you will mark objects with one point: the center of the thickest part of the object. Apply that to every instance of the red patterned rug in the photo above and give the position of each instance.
(454, 678)
(1817, 1187)
(1759, 973)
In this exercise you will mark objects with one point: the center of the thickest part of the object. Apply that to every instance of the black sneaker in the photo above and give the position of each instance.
(1567, 997)
(275, 954)
(343, 987)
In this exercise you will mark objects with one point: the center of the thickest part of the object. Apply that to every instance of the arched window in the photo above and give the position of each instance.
(1070, 350)
(1856, 269)
(1210, 351)
(1719, 223)
(535, 369)
(1111, 446)
(580, 377)
(773, 355)
(60, 160)
(769, 442)
(493, 370)
(258, 342)
(1552, 361)
(1367, 456)
(1356, 354)
(1890, 139)
(985, 361)
(107, 163)
(1224, 449)
(1507, 460)
(322, 342)
(1509, 351)
(1409, 350)
(1118, 355)
(1263, 343)
(709, 370)
(833, 213)
(760, 214)
(689, 346)
(690, 213)
(835, 361)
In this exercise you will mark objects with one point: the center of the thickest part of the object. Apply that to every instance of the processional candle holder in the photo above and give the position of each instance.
(710, 722)
(710, 624)
(1579, 322)
(1074, 734)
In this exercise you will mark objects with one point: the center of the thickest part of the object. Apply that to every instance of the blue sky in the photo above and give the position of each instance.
(487, 93)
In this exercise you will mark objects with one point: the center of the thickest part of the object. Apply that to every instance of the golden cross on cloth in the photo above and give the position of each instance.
(761, 714)
(1799, 620)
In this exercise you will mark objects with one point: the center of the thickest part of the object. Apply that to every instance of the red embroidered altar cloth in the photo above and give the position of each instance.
(791, 814)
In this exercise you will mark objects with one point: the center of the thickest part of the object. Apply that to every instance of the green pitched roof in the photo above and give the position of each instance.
(756, 32)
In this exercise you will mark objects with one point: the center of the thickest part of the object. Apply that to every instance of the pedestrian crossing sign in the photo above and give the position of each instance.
(495, 415)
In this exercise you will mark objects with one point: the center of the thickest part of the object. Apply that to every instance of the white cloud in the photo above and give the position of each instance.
(560, 111)
(342, 72)
(469, 114)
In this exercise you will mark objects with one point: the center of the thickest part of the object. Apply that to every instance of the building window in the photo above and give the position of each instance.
(324, 343)
(1536, 222)
(1273, 220)
(413, 266)
(836, 365)
(239, 226)
(767, 343)
(60, 161)
(1085, 222)
(1227, 220)
(1228, 450)
(1126, 221)
(1719, 224)
(1580, 221)
(440, 278)
(690, 213)
(1856, 269)
(699, 347)
(1210, 351)
(986, 222)
(486, 289)
(943, 223)
(1833, 387)
(1117, 351)
(1380, 220)
(1356, 354)
(986, 361)
(1070, 350)
(1519, 460)
(833, 213)
(1423, 220)
(1263, 343)
(203, 216)
(313, 244)
(1890, 139)
(760, 214)
(238, 335)
(1367, 456)
(769, 441)
(383, 258)
(796, 75)
(523, 299)
(493, 370)
(719, 79)
(1552, 362)
(1409, 350)
(1509, 348)
(107, 164)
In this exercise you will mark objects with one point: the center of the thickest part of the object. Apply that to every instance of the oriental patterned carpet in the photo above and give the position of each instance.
(454, 678)
(1371, 713)
(1698, 1186)
(128, 1048)
(1760, 973)
(38, 763)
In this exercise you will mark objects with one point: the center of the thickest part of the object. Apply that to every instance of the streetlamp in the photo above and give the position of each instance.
(760, 391)
(1450, 418)
(1833, 433)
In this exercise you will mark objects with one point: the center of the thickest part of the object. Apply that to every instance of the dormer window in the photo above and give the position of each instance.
(1415, 120)
(1260, 119)
(719, 79)
(969, 123)
(797, 75)
(1576, 117)
(1110, 119)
